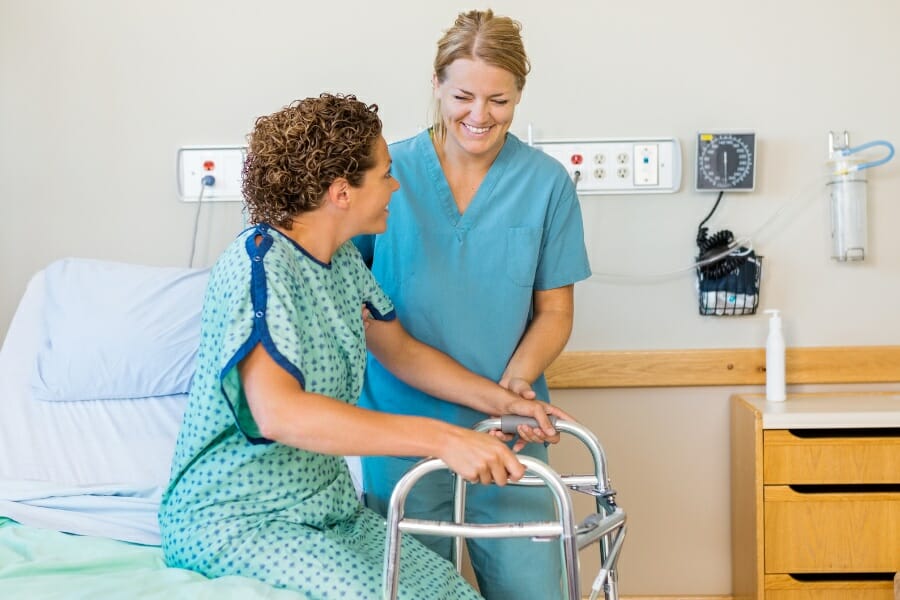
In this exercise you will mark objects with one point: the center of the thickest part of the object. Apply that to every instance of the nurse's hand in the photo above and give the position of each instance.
(519, 386)
(539, 411)
(526, 434)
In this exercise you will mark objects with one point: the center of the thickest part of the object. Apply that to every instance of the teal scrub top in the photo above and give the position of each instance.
(464, 283)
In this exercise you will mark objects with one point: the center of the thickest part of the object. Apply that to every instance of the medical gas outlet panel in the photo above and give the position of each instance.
(619, 166)
(210, 173)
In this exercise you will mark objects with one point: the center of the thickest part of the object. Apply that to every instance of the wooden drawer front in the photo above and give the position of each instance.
(785, 587)
(790, 459)
(831, 532)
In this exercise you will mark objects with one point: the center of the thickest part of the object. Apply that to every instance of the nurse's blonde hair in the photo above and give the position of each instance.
(479, 34)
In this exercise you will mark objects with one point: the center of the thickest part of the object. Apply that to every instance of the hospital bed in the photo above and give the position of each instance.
(94, 374)
(88, 421)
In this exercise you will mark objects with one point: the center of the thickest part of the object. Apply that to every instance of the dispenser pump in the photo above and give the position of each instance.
(775, 379)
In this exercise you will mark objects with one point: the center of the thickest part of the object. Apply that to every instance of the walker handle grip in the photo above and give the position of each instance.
(510, 423)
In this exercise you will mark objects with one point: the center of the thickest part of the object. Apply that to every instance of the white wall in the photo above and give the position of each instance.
(97, 96)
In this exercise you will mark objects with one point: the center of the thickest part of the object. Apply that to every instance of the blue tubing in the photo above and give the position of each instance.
(873, 163)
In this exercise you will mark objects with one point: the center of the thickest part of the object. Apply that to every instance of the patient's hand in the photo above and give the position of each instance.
(478, 458)
(366, 317)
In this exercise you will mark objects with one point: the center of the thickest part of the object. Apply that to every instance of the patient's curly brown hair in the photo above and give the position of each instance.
(295, 154)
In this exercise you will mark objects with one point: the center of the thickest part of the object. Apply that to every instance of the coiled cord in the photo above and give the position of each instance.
(712, 245)
(715, 244)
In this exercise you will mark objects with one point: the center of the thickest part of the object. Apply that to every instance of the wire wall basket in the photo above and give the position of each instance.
(730, 287)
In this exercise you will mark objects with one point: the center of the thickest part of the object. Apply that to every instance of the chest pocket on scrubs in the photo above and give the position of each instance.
(523, 245)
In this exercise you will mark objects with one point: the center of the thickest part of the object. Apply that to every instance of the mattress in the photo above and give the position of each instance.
(41, 563)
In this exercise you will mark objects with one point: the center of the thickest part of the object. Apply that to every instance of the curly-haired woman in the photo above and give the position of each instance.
(259, 487)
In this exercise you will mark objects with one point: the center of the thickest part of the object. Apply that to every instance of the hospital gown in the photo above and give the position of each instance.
(239, 504)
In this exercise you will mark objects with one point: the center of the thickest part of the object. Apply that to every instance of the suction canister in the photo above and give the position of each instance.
(847, 191)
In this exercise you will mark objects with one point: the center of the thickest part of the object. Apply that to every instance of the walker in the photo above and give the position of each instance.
(606, 526)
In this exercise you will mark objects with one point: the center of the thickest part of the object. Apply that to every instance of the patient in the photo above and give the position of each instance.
(259, 487)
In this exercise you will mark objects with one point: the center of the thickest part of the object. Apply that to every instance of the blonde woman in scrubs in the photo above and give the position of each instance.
(485, 244)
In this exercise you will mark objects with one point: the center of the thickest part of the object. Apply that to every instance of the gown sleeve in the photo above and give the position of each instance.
(266, 308)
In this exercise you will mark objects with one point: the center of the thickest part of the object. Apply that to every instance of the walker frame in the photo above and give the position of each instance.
(606, 526)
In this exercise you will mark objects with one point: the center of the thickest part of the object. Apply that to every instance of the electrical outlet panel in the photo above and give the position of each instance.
(619, 166)
(223, 163)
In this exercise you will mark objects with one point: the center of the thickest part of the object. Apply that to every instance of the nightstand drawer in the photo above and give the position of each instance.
(851, 532)
(785, 587)
(832, 457)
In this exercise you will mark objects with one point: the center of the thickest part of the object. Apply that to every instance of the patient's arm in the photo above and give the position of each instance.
(286, 413)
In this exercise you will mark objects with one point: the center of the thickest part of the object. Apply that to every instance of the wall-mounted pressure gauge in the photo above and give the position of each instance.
(726, 161)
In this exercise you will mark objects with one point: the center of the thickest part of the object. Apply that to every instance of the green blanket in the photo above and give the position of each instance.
(40, 563)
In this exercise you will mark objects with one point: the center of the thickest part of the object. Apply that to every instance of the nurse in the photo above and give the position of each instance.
(485, 245)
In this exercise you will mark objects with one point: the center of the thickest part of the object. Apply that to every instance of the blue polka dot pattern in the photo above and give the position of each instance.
(239, 504)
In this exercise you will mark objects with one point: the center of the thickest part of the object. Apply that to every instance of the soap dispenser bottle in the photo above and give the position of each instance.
(775, 384)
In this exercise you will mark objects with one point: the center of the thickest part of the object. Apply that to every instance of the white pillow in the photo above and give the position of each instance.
(116, 331)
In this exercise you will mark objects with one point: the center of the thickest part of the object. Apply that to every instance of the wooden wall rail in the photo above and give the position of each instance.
(740, 366)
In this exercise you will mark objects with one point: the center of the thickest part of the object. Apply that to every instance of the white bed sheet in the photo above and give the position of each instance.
(110, 511)
(69, 458)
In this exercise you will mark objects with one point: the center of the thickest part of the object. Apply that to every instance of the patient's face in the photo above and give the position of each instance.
(369, 202)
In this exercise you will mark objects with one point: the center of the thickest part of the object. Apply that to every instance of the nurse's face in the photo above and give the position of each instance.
(370, 200)
(478, 102)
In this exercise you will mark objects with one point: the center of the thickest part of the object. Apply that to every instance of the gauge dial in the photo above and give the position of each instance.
(726, 161)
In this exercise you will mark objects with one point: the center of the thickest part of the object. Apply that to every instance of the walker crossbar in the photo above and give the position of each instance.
(564, 529)
(607, 526)
(489, 530)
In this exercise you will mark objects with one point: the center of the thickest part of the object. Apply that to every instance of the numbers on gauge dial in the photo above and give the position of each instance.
(725, 161)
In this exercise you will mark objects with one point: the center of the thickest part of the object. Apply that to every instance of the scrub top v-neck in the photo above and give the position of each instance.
(445, 195)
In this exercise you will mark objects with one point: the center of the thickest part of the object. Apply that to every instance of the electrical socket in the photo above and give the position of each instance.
(224, 163)
(617, 166)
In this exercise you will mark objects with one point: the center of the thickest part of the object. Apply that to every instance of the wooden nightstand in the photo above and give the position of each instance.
(815, 496)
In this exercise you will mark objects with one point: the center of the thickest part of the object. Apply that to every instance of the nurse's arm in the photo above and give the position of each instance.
(544, 339)
(437, 374)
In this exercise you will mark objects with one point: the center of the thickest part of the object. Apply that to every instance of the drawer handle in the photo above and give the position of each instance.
(841, 577)
(846, 488)
(861, 432)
